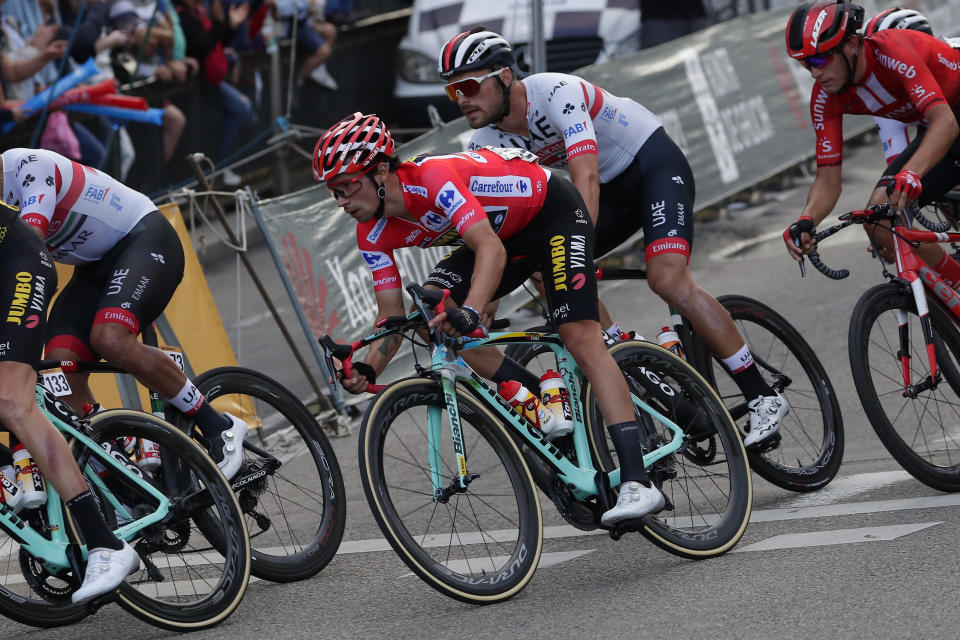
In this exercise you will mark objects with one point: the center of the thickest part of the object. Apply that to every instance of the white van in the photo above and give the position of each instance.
(577, 33)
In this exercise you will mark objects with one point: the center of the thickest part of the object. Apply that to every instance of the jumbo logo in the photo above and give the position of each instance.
(558, 255)
(21, 297)
(815, 35)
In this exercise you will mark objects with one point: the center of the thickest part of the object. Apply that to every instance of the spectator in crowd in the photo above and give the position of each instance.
(38, 19)
(206, 35)
(339, 13)
(313, 40)
(24, 57)
(663, 21)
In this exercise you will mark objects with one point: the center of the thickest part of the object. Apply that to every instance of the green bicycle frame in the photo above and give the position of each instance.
(580, 478)
(52, 551)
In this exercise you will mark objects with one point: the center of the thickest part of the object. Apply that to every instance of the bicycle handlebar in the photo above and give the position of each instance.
(936, 227)
(428, 302)
(872, 214)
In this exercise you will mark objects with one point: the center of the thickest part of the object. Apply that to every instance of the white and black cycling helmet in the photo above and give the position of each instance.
(473, 50)
(898, 18)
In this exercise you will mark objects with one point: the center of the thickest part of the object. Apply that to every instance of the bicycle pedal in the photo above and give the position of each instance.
(765, 446)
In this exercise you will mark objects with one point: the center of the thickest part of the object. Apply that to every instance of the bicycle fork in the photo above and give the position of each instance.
(462, 479)
(903, 331)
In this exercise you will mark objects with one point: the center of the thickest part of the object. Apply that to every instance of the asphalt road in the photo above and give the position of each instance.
(867, 555)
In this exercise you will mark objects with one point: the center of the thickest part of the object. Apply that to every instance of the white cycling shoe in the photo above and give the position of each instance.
(766, 412)
(232, 446)
(634, 501)
(106, 569)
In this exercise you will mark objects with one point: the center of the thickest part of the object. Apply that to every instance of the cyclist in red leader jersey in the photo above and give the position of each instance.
(510, 217)
(629, 173)
(129, 262)
(901, 74)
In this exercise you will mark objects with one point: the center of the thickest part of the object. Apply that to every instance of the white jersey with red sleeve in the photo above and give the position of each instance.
(82, 212)
(447, 194)
(906, 73)
(568, 116)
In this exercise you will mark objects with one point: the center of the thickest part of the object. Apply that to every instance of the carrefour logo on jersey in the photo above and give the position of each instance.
(573, 130)
(415, 189)
(95, 193)
(374, 234)
(376, 260)
(450, 199)
(501, 187)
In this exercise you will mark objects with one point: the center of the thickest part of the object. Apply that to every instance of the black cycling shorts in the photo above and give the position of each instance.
(558, 242)
(943, 177)
(655, 192)
(28, 281)
(131, 286)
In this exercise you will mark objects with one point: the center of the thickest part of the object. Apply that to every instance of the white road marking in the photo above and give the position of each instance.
(758, 515)
(847, 487)
(476, 565)
(838, 536)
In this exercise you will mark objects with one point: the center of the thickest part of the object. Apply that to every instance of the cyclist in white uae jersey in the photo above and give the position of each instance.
(88, 213)
(629, 173)
(129, 261)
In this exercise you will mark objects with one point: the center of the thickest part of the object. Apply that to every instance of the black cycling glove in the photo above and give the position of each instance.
(465, 319)
(366, 371)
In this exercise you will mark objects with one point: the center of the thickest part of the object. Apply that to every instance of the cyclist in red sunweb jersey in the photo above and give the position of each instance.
(901, 74)
(129, 262)
(630, 174)
(510, 217)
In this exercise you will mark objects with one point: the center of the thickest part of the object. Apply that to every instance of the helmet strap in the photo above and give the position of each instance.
(851, 67)
(505, 108)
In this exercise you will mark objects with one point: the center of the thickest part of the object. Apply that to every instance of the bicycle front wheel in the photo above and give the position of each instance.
(185, 583)
(290, 486)
(811, 442)
(920, 432)
(707, 481)
(478, 545)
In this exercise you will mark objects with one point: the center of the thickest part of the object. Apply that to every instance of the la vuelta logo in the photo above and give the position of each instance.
(311, 293)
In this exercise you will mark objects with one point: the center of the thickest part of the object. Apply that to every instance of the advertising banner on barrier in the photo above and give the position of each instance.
(729, 96)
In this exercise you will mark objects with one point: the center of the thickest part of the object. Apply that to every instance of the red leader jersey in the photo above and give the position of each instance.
(448, 194)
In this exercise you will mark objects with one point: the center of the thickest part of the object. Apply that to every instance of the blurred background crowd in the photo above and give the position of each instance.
(223, 71)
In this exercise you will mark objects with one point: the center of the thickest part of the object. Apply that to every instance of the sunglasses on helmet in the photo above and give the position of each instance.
(468, 87)
(818, 61)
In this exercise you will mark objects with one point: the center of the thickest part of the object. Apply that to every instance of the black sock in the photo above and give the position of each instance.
(510, 369)
(630, 450)
(86, 514)
(751, 383)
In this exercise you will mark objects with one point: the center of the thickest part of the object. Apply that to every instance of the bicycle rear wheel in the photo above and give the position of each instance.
(707, 482)
(811, 442)
(479, 545)
(290, 487)
(185, 582)
(919, 432)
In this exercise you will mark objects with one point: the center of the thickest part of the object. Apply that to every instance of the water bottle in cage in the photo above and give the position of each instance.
(148, 455)
(668, 339)
(29, 478)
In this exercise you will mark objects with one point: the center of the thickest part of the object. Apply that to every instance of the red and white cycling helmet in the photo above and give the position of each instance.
(821, 26)
(898, 18)
(350, 146)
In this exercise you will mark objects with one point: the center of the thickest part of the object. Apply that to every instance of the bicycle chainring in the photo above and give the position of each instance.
(52, 588)
(582, 515)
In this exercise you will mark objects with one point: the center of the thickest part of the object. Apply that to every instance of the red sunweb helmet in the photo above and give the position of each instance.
(821, 26)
